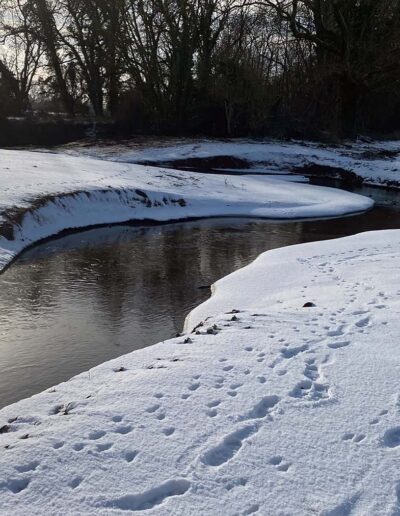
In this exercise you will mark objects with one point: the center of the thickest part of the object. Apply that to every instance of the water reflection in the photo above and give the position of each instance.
(75, 302)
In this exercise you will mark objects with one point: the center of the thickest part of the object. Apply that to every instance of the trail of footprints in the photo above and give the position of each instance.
(19, 484)
(312, 387)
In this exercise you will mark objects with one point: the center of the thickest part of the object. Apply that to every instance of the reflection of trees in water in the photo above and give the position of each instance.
(131, 278)
(29, 286)
(137, 274)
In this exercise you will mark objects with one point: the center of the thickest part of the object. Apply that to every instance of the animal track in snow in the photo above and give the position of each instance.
(98, 434)
(276, 460)
(104, 446)
(235, 386)
(292, 352)
(194, 386)
(213, 403)
(15, 485)
(355, 438)
(362, 323)
(123, 430)
(250, 510)
(228, 447)
(31, 466)
(75, 482)
(284, 467)
(338, 332)
(212, 413)
(359, 438)
(338, 345)
(151, 498)
(262, 408)
(152, 409)
(279, 463)
(310, 387)
(130, 456)
(168, 431)
(236, 482)
(391, 438)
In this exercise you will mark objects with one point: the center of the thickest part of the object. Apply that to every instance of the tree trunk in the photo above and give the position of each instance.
(350, 96)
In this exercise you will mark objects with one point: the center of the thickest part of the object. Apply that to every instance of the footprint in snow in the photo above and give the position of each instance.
(235, 482)
(262, 408)
(279, 463)
(362, 323)
(15, 485)
(292, 352)
(228, 447)
(377, 420)
(75, 482)
(194, 386)
(391, 438)
(123, 430)
(168, 431)
(338, 345)
(98, 434)
(25, 468)
(310, 388)
(104, 447)
(152, 409)
(213, 403)
(355, 438)
(151, 498)
(250, 510)
(130, 456)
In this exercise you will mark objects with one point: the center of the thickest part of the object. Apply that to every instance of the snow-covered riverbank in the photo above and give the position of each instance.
(375, 163)
(42, 194)
(269, 407)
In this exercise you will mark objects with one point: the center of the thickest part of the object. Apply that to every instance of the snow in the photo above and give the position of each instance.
(267, 408)
(377, 163)
(42, 194)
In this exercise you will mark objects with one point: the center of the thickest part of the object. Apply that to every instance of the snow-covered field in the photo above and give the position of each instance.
(268, 408)
(377, 163)
(42, 194)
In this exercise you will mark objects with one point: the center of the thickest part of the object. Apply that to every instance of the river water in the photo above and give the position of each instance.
(71, 303)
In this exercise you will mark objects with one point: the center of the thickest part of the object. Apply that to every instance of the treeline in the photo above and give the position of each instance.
(223, 67)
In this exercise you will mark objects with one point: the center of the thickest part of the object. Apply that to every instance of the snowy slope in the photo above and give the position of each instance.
(377, 162)
(273, 409)
(42, 194)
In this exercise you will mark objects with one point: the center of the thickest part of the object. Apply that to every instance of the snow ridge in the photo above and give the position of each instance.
(43, 194)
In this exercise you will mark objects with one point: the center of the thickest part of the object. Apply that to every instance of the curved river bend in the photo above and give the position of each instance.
(74, 302)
